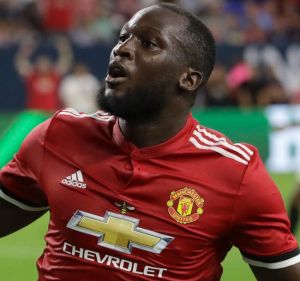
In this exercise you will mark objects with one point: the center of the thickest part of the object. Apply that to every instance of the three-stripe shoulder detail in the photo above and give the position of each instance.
(202, 139)
(99, 115)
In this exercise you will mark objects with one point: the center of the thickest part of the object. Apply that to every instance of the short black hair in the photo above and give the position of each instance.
(198, 42)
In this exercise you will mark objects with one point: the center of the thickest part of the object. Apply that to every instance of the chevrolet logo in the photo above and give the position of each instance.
(119, 232)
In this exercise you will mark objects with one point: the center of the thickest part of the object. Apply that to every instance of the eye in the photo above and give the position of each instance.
(123, 37)
(148, 44)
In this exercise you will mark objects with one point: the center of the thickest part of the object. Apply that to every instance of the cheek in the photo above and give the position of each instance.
(162, 67)
(160, 72)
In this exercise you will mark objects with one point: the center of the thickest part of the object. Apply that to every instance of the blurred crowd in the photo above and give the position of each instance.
(88, 21)
(249, 80)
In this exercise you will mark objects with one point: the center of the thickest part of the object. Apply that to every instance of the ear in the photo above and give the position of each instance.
(190, 80)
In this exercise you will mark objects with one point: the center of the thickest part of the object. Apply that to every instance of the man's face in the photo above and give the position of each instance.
(144, 70)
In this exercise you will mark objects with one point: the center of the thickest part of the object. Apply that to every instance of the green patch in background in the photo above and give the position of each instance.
(16, 130)
(240, 125)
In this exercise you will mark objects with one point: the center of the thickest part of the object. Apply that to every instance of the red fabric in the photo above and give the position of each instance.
(58, 15)
(198, 188)
(42, 91)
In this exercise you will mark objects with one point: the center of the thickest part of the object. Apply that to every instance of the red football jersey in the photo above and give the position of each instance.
(166, 212)
(42, 91)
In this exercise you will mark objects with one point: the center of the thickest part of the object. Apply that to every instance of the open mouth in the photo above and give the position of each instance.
(117, 74)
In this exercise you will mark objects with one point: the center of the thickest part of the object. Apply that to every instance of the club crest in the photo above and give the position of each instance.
(185, 205)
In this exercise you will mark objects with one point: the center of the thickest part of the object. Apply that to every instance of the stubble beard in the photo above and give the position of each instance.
(139, 105)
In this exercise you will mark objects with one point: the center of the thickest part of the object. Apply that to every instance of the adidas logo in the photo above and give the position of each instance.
(75, 180)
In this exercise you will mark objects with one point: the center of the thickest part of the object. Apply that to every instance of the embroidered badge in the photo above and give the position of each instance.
(185, 205)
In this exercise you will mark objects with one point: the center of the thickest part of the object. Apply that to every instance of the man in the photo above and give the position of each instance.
(149, 194)
(43, 76)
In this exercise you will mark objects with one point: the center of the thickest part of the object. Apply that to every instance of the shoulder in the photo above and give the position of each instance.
(209, 140)
(69, 123)
(72, 116)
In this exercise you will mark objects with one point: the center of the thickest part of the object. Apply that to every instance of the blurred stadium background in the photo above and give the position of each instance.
(252, 96)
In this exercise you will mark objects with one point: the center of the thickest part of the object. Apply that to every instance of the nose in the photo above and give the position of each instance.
(124, 49)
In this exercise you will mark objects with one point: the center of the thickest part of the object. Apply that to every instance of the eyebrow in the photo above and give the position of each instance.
(144, 28)
(157, 33)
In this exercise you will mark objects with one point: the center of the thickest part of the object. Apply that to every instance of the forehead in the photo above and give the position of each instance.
(161, 20)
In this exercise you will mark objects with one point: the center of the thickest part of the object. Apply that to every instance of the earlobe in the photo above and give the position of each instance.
(190, 80)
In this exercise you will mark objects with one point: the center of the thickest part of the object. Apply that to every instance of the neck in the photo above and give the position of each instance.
(154, 131)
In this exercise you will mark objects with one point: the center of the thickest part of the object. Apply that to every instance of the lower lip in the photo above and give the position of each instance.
(114, 81)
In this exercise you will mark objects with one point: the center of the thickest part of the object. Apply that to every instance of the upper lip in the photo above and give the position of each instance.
(116, 69)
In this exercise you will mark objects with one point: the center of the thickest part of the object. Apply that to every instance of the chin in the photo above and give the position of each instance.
(117, 91)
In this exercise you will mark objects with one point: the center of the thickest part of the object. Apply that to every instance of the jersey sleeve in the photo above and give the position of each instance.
(261, 225)
(19, 179)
